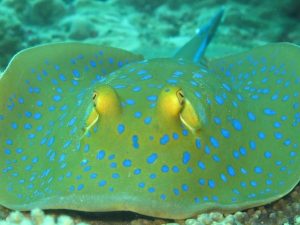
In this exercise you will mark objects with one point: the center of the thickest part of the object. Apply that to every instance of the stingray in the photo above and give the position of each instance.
(95, 128)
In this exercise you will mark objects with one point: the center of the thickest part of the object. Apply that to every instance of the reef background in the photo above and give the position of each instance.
(153, 28)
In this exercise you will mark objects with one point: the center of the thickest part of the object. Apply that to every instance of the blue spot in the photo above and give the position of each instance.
(86, 148)
(293, 154)
(258, 170)
(287, 142)
(211, 183)
(113, 165)
(186, 157)
(141, 72)
(225, 133)
(137, 114)
(93, 63)
(152, 158)
(236, 124)
(201, 181)
(269, 112)
(252, 145)
(261, 135)
(152, 176)
(216, 158)
(164, 139)
(35, 160)
(223, 177)
(147, 120)
(9, 142)
(201, 165)
(243, 151)
(198, 143)
(51, 108)
(189, 170)
(127, 163)
(120, 64)
(217, 120)
(251, 116)
(141, 184)
(137, 171)
(267, 154)
(185, 132)
(62, 77)
(111, 60)
(39, 103)
(152, 98)
(243, 171)
(119, 86)
(76, 73)
(93, 175)
(28, 114)
(185, 187)
(164, 169)
(175, 136)
(219, 100)
(51, 141)
(130, 101)
(214, 142)
(277, 124)
(21, 100)
(207, 149)
(236, 154)
(163, 197)
(176, 191)
(7, 151)
(37, 116)
(102, 183)
(80, 187)
(121, 128)
(230, 171)
(56, 98)
(226, 86)
(100, 155)
(269, 182)
(175, 169)
(72, 188)
(151, 189)
(253, 183)
(115, 175)
(278, 135)
(136, 89)
(31, 136)
(27, 126)
(19, 150)
(243, 184)
(135, 141)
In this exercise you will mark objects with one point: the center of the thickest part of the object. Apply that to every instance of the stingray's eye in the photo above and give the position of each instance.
(106, 101)
(174, 107)
(180, 96)
(171, 101)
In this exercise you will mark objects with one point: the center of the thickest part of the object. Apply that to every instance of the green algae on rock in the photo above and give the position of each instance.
(95, 128)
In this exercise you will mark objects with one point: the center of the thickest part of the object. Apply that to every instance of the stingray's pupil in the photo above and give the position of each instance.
(94, 96)
(180, 96)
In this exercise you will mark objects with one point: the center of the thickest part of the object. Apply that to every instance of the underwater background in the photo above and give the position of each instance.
(152, 28)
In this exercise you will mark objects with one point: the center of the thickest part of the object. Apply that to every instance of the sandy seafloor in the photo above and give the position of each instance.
(153, 28)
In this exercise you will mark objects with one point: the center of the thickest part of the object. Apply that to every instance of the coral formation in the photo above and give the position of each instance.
(38, 217)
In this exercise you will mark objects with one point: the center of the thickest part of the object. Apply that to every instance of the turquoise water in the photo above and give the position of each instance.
(149, 27)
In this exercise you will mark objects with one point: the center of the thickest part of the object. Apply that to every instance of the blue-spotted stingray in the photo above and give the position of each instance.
(95, 128)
